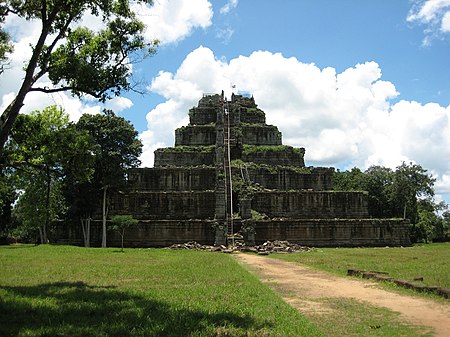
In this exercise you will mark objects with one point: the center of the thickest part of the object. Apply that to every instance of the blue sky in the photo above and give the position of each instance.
(357, 83)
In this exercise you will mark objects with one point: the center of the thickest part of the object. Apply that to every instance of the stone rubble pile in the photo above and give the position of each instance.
(266, 248)
(278, 246)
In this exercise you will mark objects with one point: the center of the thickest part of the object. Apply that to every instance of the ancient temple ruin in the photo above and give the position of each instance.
(229, 173)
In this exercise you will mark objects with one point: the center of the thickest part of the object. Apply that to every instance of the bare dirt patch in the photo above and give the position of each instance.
(302, 287)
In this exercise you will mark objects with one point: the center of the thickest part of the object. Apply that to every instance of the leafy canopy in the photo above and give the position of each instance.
(75, 58)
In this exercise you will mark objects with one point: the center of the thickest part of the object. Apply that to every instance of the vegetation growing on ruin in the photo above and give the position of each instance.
(238, 163)
(257, 125)
(265, 149)
(197, 127)
(185, 148)
(144, 292)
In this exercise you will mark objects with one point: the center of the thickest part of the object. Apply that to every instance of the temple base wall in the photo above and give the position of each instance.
(335, 232)
(147, 233)
(308, 232)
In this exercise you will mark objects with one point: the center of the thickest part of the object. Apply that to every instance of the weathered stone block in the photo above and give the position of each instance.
(195, 135)
(335, 232)
(172, 179)
(165, 205)
(311, 204)
(185, 156)
(274, 155)
(289, 178)
(260, 134)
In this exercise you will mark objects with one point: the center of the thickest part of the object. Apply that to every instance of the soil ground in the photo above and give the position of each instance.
(302, 286)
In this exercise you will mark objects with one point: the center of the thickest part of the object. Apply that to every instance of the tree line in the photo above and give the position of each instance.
(50, 168)
(53, 169)
(406, 192)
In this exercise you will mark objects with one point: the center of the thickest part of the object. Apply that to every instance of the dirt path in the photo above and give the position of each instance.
(300, 285)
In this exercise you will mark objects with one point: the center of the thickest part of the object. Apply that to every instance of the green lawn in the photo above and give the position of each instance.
(73, 291)
(431, 261)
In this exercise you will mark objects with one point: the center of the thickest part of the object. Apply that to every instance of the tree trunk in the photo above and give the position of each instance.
(47, 203)
(104, 215)
(88, 236)
(41, 236)
(10, 114)
(86, 226)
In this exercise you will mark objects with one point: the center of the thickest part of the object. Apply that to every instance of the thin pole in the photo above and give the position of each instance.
(230, 177)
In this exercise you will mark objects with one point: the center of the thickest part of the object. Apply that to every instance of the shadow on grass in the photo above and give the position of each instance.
(78, 309)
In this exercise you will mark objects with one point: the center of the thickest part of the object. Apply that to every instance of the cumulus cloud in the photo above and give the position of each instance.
(435, 15)
(342, 119)
(170, 21)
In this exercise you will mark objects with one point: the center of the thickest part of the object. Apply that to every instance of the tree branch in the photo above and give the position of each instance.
(66, 88)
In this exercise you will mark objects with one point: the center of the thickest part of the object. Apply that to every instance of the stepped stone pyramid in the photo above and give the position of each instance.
(230, 173)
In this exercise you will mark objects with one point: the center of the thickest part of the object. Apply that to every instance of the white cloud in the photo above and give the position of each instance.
(231, 4)
(170, 21)
(434, 14)
(341, 119)
(118, 104)
(445, 25)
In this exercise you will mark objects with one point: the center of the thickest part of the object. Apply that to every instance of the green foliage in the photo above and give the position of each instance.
(118, 147)
(264, 149)
(238, 163)
(397, 194)
(353, 180)
(145, 292)
(8, 195)
(79, 60)
(120, 223)
(184, 148)
(430, 225)
(38, 151)
(37, 208)
(62, 167)
(410, 183)
(6, 46)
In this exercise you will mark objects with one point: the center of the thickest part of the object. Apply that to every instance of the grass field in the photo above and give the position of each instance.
(431, 261)
(72, 291)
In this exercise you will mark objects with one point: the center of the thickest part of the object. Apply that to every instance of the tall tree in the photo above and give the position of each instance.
(353, 180)
(36, 147)
(410, 183)
(78, 160)
(378, 183)
(44, 149)
(76, 59)
(118, 150)
(8, 195)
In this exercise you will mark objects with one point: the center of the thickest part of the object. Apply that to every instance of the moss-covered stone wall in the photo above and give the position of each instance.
(172, 179)
(335, 232)
(288, 178)
(274, 155)
(311, 204)
(165, 205)
(147, 233)
(181, 156)
(194, 135)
